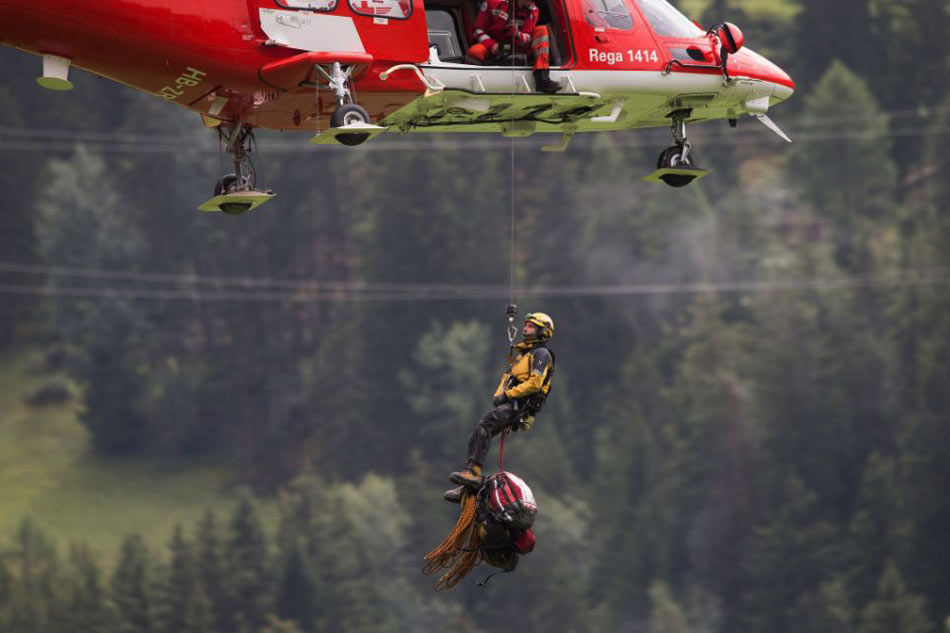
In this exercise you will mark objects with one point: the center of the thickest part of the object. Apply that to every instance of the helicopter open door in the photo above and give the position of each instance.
(452, 22)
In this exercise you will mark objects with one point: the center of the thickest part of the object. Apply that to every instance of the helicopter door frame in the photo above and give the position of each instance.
(556, 13)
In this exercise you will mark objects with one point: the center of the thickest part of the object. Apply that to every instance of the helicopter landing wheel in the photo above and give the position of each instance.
(350, 114)
(228, 185)
(673, 157)
(225, 185)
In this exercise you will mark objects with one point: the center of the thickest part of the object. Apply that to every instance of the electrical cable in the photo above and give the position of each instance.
(933, 277)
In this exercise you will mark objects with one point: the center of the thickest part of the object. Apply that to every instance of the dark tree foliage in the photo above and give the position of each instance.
(297, 597)
(246, 570)
(132, 588)
(87, 607)
(209, 569)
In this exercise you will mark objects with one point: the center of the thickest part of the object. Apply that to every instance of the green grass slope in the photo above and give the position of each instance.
(48, 472)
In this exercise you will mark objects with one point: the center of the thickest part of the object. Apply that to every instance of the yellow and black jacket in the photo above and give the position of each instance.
(529, 375)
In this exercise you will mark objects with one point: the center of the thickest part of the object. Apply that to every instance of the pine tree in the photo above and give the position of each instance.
(199, 615)
(297, 597)
(879, 531)
(210, 572)
(178, 587)
(704, 489)
(844, 27)
(666, 616)
(827, 610)
(924, 337)
(7, 592)
(87, 603)
(788, 558)
(449, 386)
(850, 182)
(35, 604)
(248, 578)
(131, 588)
(894, 610)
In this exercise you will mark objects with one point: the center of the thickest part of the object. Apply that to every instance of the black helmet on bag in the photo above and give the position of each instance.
(504, 559)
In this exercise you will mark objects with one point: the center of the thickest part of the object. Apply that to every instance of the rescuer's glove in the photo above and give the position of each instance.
(525, 423)
(512, 30)
(500, 399)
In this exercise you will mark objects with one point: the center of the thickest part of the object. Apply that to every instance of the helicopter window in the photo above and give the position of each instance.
(667, 21)
(393, 9)
(608, 14)
(313, 5)
(443, 34)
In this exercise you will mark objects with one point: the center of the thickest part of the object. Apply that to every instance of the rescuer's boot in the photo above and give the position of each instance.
(544, 83)
(454, 495)
(470, 477)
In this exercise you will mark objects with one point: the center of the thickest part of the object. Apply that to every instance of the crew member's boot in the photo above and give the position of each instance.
(544, 83)
(454, 495)
(471, 476)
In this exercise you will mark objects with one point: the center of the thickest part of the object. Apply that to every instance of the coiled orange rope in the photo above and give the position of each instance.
(460, 551)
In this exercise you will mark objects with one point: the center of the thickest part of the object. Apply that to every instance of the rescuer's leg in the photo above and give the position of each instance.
(477, 54)
(541, 49)
(454, 495)
(491, 424)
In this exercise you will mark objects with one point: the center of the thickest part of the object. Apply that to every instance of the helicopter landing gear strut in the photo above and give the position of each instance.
(348, 113)
(676, 165)
(234, 193)
(350, 123)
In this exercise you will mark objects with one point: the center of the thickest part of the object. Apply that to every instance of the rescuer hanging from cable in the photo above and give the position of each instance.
(518, 399)
(493, 27)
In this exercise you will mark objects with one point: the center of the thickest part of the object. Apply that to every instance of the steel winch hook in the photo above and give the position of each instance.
(512, 312)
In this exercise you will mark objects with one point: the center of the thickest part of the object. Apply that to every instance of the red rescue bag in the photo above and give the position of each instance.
(511, 501)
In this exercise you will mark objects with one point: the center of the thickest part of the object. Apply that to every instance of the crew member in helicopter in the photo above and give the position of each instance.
(518, 399)
(493, 29)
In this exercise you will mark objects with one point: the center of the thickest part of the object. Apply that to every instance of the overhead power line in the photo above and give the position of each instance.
(308, 291)
(246, 282)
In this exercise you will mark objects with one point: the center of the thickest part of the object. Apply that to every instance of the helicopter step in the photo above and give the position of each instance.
(355, 133)
(511, 114)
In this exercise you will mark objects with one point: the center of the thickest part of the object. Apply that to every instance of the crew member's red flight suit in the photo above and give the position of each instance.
(491, 28)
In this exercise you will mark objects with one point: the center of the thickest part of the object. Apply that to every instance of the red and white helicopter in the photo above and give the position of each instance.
(351, 69)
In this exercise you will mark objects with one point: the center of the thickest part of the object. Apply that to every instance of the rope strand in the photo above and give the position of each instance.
(460, 551)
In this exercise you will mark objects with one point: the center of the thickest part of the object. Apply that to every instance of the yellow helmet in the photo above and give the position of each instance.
(544, 322)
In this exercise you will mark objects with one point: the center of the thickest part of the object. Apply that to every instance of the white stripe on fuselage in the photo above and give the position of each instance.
(608, 83)
(311, 31)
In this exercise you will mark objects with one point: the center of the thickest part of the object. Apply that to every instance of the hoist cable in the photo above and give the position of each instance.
(511, 230)
(511, 311)
(512, 5)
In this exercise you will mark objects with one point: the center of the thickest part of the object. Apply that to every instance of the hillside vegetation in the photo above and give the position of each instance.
(48, 472)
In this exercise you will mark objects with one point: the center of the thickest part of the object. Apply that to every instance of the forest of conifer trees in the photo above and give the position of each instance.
(753, 437)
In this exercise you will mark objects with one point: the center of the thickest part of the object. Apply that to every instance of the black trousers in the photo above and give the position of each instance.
(491, 424)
